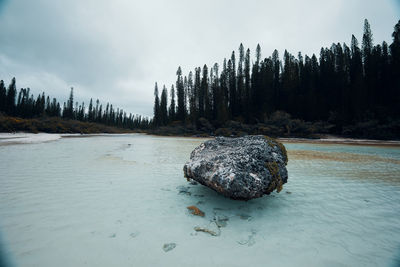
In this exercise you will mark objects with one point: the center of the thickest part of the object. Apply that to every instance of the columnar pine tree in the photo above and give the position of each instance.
(247, 84)
(180, 91)
(192, 98)
(10, 99)
(240, 81)
(232, 86)
(172, 108)
(3, 95)
(163, 106)
(156, 109)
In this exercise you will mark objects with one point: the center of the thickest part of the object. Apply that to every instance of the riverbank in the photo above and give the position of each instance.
(283, 126)
(291, 132)
(10, 124)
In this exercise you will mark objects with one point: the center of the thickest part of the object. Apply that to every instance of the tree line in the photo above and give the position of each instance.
(345, 85)
(23, 104)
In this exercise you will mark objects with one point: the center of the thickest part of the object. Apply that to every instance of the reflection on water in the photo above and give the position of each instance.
(122, 201)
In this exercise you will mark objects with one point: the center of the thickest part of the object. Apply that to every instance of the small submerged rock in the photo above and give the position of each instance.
(249, 240)
(221, 220)
(134, 234)
(183, 190)
(165, 189)
(245, 217)
(211, 229)
(240, 168)
(169, 246)
(195, 211)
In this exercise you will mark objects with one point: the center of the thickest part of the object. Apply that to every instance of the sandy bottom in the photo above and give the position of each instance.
(122, 201)
(342, 141)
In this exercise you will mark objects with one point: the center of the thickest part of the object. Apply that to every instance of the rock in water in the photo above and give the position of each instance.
(196, 211)
(240, 168)
(169, 246)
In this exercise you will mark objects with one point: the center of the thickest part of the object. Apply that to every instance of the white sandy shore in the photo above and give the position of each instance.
(31, 138)
(27, 138)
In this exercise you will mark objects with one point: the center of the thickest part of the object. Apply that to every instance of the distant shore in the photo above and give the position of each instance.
(31, 138)
(14, 129)
(57, 125)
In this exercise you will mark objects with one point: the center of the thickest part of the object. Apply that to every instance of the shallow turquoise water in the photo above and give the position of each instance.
(116, 200)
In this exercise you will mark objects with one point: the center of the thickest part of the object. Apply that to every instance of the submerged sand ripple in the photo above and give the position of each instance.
(338, 156)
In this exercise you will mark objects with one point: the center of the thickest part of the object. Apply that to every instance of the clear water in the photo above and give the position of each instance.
(116, 200)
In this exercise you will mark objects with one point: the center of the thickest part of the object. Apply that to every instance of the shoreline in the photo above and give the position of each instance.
(41, 137)
(342, 141)
(30, 138)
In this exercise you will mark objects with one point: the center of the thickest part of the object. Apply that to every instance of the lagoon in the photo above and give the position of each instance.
(115, 200)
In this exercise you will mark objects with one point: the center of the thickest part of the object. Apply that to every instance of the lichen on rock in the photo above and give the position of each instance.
(240, 168)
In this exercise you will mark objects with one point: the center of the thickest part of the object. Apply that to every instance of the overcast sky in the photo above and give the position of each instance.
(116, 50)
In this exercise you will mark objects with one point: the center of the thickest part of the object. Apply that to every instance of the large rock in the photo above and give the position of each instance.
(240, 168)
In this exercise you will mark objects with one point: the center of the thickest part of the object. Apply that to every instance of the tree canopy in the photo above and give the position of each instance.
(343, 85)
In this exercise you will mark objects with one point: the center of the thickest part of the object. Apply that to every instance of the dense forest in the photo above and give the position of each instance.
(24, 105)
(354, 90)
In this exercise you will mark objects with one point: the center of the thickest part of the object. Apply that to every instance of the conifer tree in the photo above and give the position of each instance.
(70, 104)
(240, 80)
(202, 90)
(156, 109)
(192, 98)
(163, 107)
(198, 94)
(247, 84)
(180, 90)
(232, 85)
(11, 94)
(205, 88)
(3, 95)
(90, 111)
(215, 91)
(367, 44)
(367, 48)
(172, 108)
(356, 80)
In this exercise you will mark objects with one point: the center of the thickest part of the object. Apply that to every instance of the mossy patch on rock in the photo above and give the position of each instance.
(276, 183)
(273, 143)
(283, 150)
(273, 167)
